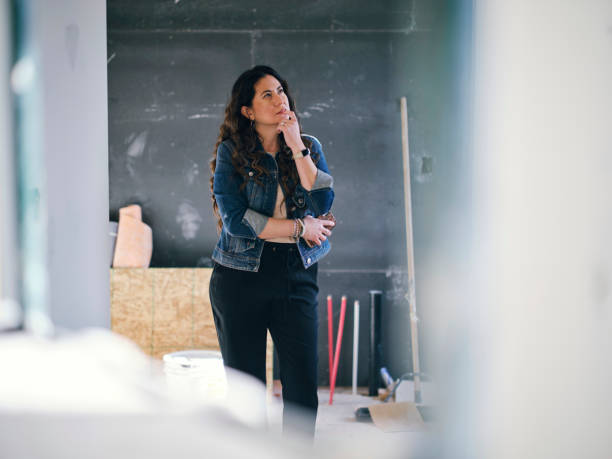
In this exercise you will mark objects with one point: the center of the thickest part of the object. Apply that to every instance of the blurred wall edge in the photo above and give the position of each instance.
(71, 39)
(9, 283)
(539, 367)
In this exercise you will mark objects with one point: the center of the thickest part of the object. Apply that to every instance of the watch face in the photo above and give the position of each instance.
(305, 152)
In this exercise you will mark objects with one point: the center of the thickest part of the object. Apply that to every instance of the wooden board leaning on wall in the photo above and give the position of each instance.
(166, 310)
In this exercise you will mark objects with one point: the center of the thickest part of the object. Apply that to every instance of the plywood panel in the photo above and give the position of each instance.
(166, 310)
(204, 332)
(131, 305)
(173, 307)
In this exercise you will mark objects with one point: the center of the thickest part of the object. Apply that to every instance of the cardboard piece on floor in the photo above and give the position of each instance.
(397, 417)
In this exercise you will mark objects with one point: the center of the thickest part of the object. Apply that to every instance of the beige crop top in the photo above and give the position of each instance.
(280, 211)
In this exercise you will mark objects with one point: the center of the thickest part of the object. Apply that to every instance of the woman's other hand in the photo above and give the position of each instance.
(317, 230)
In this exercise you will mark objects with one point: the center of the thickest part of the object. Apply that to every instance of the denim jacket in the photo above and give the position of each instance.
(245, 213)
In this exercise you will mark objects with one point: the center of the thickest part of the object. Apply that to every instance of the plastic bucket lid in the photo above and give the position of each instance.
(191, 359)
(196, 374)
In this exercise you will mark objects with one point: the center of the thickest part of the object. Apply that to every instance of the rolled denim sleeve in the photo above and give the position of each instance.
(323, 180)
(238, 218)
(321, 196)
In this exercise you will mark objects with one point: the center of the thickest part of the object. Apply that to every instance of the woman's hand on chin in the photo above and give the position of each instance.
(290, 129)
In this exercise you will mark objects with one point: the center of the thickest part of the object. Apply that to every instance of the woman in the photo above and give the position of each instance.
(269, 185)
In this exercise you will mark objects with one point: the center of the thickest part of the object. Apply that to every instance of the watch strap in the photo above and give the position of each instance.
(302, 153)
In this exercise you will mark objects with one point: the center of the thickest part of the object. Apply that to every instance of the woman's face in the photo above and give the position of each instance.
(270, 102)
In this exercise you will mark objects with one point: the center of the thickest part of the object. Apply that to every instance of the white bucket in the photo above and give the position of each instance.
(196, 375)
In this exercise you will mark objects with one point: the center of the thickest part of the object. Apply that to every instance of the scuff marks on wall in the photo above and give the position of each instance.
(136, 145)
(203, 115)
(179, 112)
(72, 43)
(398, 277)
(359, 78)
(320, 106)
(193, 173)
(189, 219)
(424, 170)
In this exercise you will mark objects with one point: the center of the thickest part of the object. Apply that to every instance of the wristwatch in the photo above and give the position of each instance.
(301, 154)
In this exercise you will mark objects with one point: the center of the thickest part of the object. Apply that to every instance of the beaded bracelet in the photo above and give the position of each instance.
(296, 230)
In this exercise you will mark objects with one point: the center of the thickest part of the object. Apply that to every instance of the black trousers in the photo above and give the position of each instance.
(280, 297)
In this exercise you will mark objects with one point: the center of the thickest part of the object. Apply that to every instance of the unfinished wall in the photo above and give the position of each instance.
(171, 67)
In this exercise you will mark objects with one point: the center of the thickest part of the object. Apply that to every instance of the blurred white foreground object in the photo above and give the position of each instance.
(95, 394)
(534, 375)
(198, 376)
(94, 371)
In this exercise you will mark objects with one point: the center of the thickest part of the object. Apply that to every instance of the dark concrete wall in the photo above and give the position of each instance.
(171, 67)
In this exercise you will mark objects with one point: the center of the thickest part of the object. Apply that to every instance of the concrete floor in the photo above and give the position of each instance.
(337, 428)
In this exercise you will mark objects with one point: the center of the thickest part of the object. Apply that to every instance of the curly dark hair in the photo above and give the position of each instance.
(239, 129)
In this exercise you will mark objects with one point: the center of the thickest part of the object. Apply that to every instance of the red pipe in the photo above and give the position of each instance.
(337, 353)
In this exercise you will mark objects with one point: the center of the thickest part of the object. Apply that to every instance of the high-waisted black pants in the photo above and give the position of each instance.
(280, 297)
